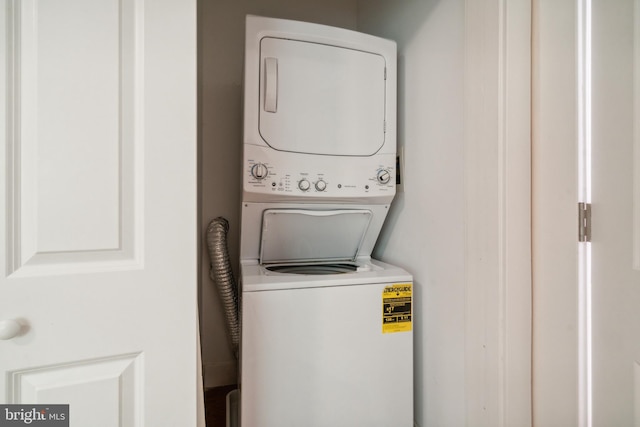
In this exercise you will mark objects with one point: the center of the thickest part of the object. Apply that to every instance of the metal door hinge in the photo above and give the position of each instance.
(584, 222)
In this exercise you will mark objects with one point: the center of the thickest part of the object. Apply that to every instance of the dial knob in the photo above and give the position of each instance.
(259, 171)
(384, 176)
(303, 184)
(321, 185)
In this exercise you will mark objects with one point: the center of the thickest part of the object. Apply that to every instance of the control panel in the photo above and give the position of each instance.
(302, 175)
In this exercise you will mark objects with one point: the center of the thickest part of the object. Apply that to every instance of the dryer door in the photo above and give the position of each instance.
(321, 99)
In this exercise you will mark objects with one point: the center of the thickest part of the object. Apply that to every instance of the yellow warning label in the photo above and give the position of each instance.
(396, 308)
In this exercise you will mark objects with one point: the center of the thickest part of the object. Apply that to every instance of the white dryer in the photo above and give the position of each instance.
(326, 330)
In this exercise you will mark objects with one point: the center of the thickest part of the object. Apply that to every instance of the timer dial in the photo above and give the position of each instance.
(321, 185)
(384, 176)
(259, 171)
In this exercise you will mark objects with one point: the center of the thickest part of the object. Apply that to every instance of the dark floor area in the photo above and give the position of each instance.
(215, 404)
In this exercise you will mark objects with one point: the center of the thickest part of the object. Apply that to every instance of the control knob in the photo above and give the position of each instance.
(384, 176)
(321, 185)
(259, 171)
(303, 184)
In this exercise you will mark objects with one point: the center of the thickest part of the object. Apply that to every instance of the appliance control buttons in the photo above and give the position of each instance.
(384, 176)
(321, 185)
(259, 171)
(303, 184)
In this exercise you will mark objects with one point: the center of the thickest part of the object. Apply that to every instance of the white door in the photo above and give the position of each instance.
(587, 344)
(98, 209)
(615, 172)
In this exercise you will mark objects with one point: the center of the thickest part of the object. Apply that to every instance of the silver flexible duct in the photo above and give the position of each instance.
(222, 277)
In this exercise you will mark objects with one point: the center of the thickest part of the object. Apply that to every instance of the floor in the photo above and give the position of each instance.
(215, 405)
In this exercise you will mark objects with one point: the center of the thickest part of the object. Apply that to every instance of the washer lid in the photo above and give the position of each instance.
(297, 235)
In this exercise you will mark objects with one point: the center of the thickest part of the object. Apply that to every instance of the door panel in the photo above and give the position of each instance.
(80, 140)
(73, 172)
(615, 281)
(586, 317)
(115, 382)
(98, 206)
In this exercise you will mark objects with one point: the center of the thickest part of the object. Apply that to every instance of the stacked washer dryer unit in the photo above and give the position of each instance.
(326, 330)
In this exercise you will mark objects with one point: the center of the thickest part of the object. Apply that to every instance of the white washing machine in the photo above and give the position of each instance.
(326, 331)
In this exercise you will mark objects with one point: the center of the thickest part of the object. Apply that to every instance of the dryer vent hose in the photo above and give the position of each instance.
(222, 277)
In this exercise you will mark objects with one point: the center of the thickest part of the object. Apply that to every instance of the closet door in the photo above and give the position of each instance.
(98, 209)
